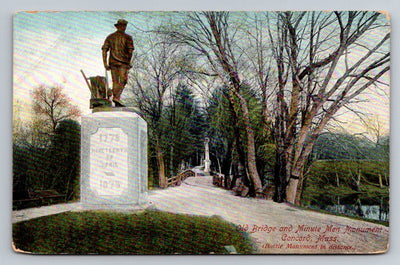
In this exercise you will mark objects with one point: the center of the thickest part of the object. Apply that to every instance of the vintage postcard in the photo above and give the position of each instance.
(201, 132)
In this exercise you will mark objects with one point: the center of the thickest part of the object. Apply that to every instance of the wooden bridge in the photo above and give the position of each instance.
(178, 179)
(218, 179)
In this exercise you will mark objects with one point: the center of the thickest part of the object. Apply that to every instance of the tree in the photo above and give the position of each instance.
(211, 36)
(64, 166)
(227, 131)
(374, 129)
(19, 130)
(221, 129)
(45, 151)
(51, 106)
(342, 146)
(184, 128)
(151, 83)
(324, 61)
(56, 167)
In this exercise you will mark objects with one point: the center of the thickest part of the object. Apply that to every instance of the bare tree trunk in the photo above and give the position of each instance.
(226, 164)
(251, 152)
(298, 165)
(299, 191)
(161, 167)
(216, 21)
(171, 160)
(292, 190)
(280, 176)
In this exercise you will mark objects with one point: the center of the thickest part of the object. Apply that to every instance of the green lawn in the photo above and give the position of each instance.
(148, 232)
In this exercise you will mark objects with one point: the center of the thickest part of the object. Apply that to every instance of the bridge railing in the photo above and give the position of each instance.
(178, 179)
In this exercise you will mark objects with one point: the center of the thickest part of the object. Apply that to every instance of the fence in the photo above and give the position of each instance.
(178, 179)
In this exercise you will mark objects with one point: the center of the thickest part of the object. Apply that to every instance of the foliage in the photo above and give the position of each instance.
(221, 130)
(56, 167)
(183, 126)
(220, 127)
(30, 166)
(20, 130)
(65, 159)
(346, 146)
(212, 37)
(177, 133)
(154, 83)
(329, 179)
(266, 158)
(149, 232)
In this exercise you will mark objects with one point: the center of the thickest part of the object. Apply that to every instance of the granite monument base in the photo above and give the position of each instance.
(113, 159)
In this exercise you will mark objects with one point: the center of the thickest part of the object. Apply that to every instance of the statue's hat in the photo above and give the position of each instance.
(121, 22)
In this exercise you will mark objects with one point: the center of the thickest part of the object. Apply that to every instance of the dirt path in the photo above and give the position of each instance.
(263, 219)
(273, 227)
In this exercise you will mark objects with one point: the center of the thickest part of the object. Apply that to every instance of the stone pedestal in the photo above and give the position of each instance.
(113, 158)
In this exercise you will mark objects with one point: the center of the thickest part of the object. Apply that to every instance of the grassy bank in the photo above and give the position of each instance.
(348, 182)
(149, 232)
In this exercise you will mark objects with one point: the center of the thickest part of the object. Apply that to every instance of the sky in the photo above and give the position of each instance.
(50, 49)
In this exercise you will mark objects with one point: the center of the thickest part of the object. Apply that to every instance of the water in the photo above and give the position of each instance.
(374, 212)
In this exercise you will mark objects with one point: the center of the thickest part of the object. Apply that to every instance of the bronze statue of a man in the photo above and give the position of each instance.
(120, 45)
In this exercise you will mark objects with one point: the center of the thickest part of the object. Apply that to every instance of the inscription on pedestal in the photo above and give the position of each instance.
(114, 158)
(109, 162)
